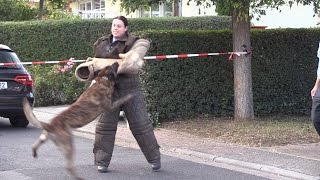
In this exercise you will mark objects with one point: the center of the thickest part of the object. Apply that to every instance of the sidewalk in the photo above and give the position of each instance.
(293, 161)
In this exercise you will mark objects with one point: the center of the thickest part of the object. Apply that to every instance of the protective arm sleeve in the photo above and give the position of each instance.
(133, 60)
(85, 71)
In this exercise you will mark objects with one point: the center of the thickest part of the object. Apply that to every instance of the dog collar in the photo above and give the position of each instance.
(105, 78)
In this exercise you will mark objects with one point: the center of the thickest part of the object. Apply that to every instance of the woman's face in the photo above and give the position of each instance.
(118, 28)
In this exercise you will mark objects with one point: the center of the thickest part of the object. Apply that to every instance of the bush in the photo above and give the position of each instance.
(192, 86)
(54, 87)
(16, 10)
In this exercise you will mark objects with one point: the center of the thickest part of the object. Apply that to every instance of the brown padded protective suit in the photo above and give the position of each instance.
(135, 109)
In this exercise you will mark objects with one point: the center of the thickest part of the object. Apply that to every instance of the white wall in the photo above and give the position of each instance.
(297, 17)
(193, 10)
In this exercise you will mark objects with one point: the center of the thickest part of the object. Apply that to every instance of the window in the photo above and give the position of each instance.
(92, 9)
(97, 4)
(88, 6)
(167, 9)
(82, 7)
(103, 4)
(155, 10)
(158, 10)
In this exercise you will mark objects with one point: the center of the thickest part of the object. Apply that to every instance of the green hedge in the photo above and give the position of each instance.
(284, 65)
(186, 87)
(55, 40)
(187, 23)
(62, 39)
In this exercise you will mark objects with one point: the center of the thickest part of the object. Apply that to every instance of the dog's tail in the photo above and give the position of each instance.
(28, 112)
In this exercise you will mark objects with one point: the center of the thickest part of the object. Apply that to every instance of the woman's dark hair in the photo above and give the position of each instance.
(123, 19)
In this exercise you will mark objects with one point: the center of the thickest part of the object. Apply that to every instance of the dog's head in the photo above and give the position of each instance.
(109, 72)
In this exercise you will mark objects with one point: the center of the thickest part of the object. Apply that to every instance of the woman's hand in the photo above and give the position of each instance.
(314, 90)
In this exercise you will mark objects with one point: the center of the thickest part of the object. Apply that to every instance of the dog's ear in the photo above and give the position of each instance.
(113, 72)
(96, 73)
(115, 67)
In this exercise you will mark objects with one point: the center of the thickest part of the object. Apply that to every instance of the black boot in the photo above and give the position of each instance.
(150, 148)
(102, 169)
(156, 165)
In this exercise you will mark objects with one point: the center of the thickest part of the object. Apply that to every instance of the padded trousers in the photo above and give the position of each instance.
(315, 111)
(138, 119)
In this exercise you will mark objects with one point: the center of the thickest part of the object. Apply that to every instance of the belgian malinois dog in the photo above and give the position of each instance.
(94, 101)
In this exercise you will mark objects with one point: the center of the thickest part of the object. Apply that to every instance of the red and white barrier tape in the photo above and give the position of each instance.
(196, 55)
(43, 62)
(72, 60)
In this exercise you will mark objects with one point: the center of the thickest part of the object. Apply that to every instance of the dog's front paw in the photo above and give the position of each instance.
(34, 153)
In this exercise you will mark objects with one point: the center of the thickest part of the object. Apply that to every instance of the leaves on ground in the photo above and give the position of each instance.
(261, 132)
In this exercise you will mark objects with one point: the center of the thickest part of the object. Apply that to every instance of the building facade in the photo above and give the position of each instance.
(297, 16)
(93, 9)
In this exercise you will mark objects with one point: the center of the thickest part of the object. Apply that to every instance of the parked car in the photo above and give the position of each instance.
(15, 84)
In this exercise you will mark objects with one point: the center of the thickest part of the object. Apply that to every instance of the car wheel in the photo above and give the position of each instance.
(19, 121)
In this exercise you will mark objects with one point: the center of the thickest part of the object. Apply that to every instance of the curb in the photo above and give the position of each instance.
(219, 159)
(255, 166)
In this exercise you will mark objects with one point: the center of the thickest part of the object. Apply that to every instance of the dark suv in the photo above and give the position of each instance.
(15, 84)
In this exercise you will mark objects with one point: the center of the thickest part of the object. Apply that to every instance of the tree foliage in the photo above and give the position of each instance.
(54, 9)
(16, 10)
(258, 7)
(19, 10)
(226, 7)
(57, 4)
(132, 5)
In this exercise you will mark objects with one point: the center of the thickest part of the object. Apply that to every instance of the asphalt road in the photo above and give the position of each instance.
(16, 162)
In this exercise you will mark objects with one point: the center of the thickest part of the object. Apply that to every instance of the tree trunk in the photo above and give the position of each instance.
(243, 98)
(41, 9)
(175, 7)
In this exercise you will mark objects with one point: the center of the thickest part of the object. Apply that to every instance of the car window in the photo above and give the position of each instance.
(9, 57)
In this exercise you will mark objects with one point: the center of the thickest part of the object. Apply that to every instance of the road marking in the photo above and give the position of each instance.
(9, 175)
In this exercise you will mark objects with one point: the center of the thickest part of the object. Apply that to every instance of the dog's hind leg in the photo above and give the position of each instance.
(69, 154)
(42, 138)
(65, 145)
